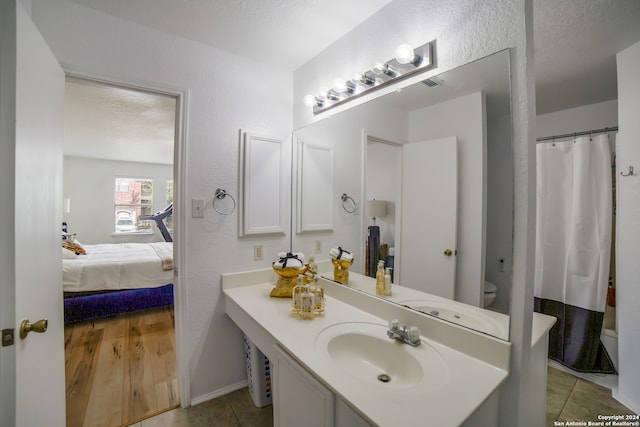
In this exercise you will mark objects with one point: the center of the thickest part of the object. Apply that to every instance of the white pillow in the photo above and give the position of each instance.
(67, 254)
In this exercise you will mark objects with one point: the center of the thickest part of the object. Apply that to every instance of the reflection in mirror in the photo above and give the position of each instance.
(438, 153)
(315, 187)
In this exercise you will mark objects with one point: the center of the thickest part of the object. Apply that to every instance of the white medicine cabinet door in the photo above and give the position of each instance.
(314, 186)
(299, 399)
(262, 192)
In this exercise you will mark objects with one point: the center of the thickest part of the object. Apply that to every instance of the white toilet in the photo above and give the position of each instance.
(490, 290)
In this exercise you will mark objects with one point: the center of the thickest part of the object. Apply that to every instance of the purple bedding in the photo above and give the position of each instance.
(95, 306)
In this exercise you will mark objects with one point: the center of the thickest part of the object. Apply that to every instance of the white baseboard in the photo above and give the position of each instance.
(217, 393)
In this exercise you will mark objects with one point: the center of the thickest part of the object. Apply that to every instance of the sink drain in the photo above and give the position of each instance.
(384, 378)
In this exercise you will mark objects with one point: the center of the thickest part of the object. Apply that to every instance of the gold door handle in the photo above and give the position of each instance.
(40, 326)
(448, 252)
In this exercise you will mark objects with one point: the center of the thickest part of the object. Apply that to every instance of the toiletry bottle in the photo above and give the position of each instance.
(318, 290)
(387, 282)
(380, 279)
(307, 304)
(296, 294)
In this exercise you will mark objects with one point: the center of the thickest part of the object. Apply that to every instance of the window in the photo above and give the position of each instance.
(133, 199)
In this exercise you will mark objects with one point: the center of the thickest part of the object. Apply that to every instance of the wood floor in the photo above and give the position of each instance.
(121, 369)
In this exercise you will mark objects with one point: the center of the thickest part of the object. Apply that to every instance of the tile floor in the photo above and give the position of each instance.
(235, 409)
(569, 398)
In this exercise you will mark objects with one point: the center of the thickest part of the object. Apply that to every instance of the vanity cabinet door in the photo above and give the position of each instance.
(299, 399)
(347, 417)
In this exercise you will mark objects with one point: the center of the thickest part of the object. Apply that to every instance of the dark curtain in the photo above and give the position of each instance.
(574, 341)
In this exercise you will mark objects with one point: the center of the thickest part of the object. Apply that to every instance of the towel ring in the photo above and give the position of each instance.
(344, 198)
(219, 195)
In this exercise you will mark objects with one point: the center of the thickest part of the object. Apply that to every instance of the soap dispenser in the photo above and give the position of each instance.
(380, 279)
(296, 294)
(387, 282)
(307, 303)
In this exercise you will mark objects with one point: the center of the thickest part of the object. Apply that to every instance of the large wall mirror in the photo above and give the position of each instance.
(436, 156)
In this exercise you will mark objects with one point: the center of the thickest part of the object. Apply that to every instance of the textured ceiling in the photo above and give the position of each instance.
(113, 123)
(576, 42)
(283, 33)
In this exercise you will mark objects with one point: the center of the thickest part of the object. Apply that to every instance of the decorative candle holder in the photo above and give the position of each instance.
(341, 270)
(286, 281)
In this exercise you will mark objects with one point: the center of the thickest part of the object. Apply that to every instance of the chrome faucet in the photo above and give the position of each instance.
(409, 335)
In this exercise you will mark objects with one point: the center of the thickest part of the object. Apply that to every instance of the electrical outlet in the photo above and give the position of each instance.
(318, 246)
(257, 252)
(197, 208)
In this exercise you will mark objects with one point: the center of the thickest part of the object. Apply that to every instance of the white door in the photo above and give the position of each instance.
(427, 257)
(32, 370)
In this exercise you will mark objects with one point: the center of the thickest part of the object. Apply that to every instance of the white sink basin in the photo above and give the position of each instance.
(469, 317)
(366, 354)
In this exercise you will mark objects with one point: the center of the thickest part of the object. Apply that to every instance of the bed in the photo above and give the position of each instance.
(109, 279)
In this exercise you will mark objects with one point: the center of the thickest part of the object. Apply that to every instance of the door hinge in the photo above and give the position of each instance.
(7, 337)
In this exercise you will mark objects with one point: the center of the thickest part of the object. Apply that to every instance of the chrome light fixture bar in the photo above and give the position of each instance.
(408, 62)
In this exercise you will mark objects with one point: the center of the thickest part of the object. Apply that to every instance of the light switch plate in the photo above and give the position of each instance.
(257, 252)
(197, 208)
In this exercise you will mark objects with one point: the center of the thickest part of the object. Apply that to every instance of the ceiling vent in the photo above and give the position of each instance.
(433, 82)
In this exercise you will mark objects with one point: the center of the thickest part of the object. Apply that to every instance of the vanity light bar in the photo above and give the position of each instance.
(407, 62)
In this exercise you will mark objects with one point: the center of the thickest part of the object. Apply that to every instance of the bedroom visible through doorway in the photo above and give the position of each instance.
(118, 269)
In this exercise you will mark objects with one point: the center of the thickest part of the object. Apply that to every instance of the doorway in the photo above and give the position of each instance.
(382, 191)
(121, 149)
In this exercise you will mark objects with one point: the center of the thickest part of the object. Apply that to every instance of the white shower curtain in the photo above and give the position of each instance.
(573, 246)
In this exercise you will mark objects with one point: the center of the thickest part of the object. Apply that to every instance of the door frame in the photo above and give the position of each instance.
(181, 314)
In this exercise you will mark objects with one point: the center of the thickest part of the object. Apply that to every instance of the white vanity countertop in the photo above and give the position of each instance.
(499, 326)
(469, 381)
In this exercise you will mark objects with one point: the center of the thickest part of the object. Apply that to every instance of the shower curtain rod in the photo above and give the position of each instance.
(569, 135)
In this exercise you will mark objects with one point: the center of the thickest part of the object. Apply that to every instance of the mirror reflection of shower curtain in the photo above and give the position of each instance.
(573, 248)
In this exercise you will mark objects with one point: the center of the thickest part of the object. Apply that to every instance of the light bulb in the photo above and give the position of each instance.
(340, 85)
(406, 55)
(309, 100)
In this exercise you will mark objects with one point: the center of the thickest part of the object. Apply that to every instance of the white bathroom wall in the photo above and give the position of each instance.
(464, 118)
(465, 30)
(628, 226)
(223, 96)
(89, 184)
(499, 242)
(584, 118)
